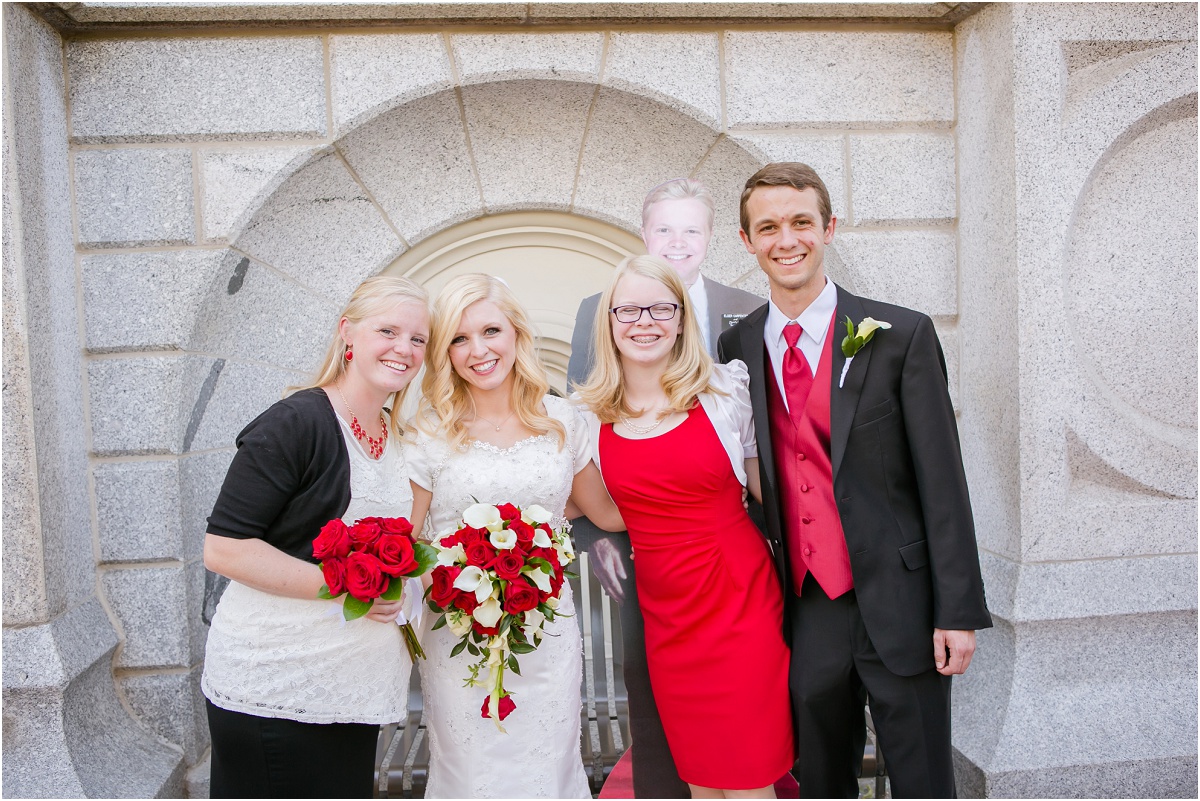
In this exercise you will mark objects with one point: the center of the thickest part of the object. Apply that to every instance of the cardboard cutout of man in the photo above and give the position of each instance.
(677, 223)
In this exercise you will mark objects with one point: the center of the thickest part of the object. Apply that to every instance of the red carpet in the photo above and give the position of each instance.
(619, 783)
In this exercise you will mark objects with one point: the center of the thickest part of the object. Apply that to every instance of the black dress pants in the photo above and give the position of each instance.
(835, 669)
(255, 757)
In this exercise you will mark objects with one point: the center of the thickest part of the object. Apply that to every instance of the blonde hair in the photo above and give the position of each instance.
(689, 368)
(680, 189)
(373, 296)
(447, 403)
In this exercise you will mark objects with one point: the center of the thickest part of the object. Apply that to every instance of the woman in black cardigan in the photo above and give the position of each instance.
(295, 693)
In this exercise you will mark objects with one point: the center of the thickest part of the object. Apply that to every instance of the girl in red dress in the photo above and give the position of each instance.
(675, 443)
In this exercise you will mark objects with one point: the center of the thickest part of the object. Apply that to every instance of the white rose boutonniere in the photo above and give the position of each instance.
(854, 342)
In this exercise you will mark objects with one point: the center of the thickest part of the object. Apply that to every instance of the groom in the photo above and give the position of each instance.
(866, 503)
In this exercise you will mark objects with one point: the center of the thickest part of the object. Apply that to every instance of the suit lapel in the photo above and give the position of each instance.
(750, 333)
(843, 400)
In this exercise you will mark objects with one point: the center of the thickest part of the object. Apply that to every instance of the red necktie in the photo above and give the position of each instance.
(797, 376)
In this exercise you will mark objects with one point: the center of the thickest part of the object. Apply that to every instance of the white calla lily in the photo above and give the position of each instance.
(469, 579)
(542, 580)
(488, 613)
(869, 325)
(503, 540)
(451, 556)
(541, 539)
(533, 621)
(536, 514)
(566, 551)
(458, 622)
(481, 515)
(552, 602)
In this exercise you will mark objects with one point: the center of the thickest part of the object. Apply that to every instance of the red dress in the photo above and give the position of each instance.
(711, 602)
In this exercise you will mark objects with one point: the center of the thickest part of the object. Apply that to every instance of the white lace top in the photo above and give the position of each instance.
(278, 657)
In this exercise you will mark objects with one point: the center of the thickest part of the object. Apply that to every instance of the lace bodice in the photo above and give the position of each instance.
(533, 470)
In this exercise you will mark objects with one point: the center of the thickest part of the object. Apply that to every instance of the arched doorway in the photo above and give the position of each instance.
(552, 260)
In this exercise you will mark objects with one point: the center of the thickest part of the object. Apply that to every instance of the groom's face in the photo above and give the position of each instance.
(787, 238)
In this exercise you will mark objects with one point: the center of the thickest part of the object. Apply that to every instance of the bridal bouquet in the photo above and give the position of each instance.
(371, 560)
(497, 581)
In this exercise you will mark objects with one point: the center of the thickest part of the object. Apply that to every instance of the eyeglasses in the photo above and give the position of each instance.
(631, 314)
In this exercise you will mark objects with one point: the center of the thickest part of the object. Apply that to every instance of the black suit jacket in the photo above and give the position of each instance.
(897, 476)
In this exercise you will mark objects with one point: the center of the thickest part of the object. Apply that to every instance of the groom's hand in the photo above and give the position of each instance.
(952, 650)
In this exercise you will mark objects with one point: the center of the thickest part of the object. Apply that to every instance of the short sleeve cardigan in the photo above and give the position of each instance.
(289, 477)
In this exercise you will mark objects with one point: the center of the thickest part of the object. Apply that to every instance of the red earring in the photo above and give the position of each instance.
(349, 353)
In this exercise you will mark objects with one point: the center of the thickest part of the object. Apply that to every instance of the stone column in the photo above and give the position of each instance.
(1076, 137)
(66, 731)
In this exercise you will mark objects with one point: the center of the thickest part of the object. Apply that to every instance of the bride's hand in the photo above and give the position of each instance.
(384, 611)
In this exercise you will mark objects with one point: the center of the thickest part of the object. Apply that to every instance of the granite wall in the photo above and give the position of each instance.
(1027, 178)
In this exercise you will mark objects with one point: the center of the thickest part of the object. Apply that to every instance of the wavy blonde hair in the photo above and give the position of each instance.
(447, 403)
(689, 368)
(373, 296)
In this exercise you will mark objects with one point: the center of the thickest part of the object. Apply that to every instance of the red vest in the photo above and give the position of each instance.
(804, 470)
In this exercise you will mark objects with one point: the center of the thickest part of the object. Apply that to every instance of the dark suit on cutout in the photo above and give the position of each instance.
(654, 774)
(901, 494)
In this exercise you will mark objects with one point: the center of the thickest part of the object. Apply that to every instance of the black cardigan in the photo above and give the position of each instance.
(289, 477)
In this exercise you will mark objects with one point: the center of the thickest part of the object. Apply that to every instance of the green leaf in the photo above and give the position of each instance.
(434, 608)
(394, 589)
(426, 557)
(848, 347)
(522, 648)
(513, 666)
(458, 649)
(505, 625)
(352, 608)
(570, 575)
(849, 327)
(472, 650)
(324, 593)
(441, 623)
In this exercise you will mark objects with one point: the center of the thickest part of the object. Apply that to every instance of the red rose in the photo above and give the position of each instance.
(467, 535)
(520, 596)
(332, 542)
(524, 532)
(480, 553)
(365, 532)
(507, 565)
(508, 512)
(465, 601)
(507, 705)
(485, 631)
(365, 579)
(396, 525)
(549, 554)
(395, 554)
(443, 591)
(334, 571)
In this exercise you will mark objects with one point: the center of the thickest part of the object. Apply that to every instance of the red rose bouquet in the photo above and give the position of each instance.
(497, 581)
(371, 560)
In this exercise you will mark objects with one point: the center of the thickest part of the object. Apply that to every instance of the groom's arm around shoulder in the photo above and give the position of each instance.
(931, 431)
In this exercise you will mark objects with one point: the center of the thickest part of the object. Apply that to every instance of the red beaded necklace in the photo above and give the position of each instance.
(375, 446)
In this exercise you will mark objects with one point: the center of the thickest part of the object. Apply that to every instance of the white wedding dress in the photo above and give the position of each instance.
(539, 755)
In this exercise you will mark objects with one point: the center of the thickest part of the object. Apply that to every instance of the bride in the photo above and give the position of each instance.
(490, 433)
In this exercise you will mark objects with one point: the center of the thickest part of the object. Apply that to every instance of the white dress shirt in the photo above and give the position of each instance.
(815, 322)
(700, 303)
